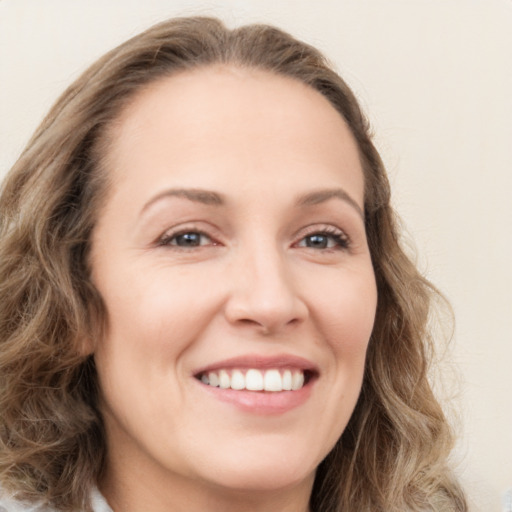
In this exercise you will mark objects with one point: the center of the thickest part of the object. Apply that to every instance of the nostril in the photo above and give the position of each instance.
(248, 321)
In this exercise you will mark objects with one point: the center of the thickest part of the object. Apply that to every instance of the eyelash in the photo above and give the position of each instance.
(168, 238)
(340, 239)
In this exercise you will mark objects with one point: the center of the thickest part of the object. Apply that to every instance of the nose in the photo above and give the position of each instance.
(263, 293)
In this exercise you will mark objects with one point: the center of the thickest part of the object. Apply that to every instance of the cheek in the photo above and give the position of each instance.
(344, 315)
(150, 319)
(148, 328)
(347, 307)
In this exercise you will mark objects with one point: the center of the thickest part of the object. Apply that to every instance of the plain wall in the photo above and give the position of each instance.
(435, 77)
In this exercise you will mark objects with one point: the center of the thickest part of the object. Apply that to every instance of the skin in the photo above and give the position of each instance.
(253, 286)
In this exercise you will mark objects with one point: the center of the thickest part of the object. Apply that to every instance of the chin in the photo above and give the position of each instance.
(247, 472)
(262, 480)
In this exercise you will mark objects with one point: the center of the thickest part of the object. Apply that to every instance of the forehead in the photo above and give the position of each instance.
(224, 116)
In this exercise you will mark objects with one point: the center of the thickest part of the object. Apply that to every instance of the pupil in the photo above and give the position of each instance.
(316, 241)
(189, 239)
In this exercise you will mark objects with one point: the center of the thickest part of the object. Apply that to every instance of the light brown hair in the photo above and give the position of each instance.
(393, 454)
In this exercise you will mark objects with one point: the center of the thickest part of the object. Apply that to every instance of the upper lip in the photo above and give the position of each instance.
(260, 362)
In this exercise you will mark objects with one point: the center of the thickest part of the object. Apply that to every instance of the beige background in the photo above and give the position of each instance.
(435, 77)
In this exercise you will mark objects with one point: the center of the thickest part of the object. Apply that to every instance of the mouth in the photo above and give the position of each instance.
(260, 385)
(273, 380)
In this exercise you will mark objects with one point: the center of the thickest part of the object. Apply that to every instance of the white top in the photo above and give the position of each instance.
(9, 505)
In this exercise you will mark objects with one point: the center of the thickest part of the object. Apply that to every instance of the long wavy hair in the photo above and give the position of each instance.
(392, 456)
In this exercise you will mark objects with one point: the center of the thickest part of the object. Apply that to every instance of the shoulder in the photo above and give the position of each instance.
(9, 504)
(98, 502)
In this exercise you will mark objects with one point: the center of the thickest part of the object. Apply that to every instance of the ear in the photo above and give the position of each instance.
(86, 346)
(90, 334)
(93, 324)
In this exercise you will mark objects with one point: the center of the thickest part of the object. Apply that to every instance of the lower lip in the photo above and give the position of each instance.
(261, 402)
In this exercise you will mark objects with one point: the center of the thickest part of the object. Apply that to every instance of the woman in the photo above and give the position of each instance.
(204, 304)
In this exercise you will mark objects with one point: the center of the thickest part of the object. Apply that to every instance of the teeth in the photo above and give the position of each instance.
(297, 380)
(237, 380)
(224, 380)
(287, 380)
(256, 380)
(273, 381)
(213, 379)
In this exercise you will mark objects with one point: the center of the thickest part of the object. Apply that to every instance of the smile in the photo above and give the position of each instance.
(273, 380)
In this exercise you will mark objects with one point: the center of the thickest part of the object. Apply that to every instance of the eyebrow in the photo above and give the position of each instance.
(192, 194)
(321, 196)
(209, 197)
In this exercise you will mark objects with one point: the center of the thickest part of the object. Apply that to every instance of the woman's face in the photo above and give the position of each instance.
(231, 254)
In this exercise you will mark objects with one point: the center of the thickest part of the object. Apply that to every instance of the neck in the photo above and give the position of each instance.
(137, 489)
(180, 496)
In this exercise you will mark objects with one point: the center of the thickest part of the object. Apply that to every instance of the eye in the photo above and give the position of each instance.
(186, 239)
(325, 239)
